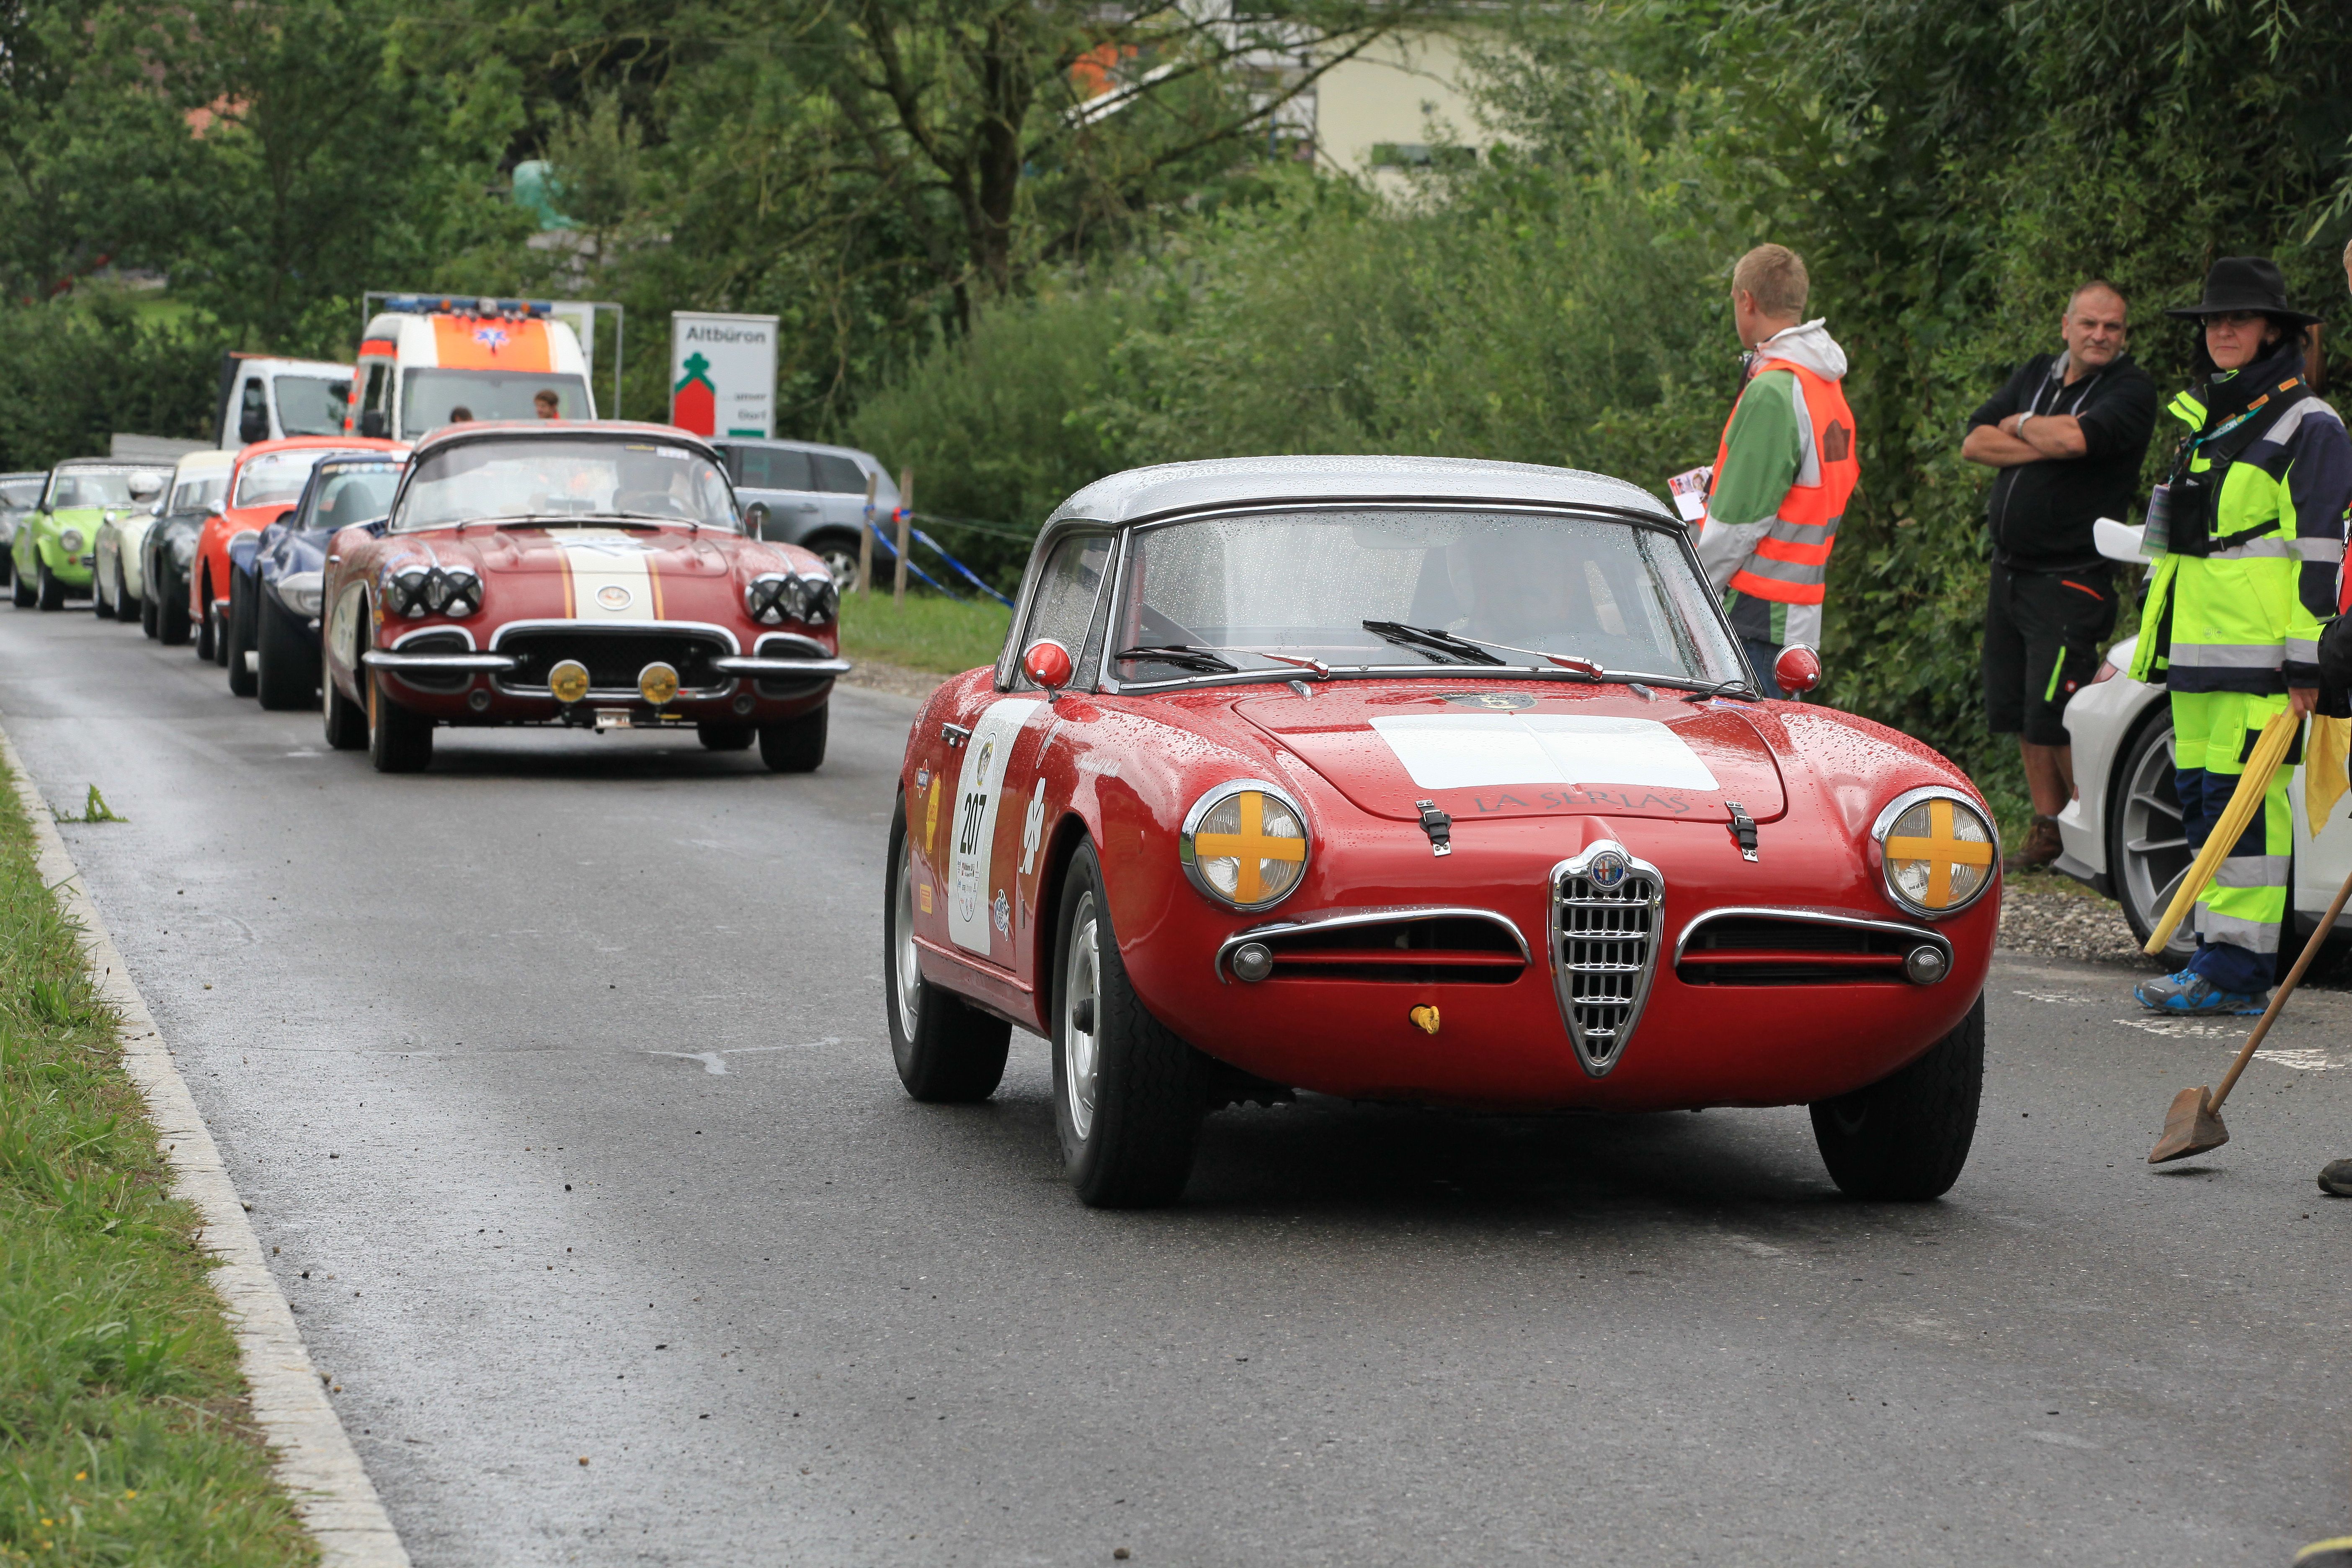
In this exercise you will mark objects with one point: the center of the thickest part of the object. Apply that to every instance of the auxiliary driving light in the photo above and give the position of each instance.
(1925, 965)
(657, 683)
(568, 680)
(1253, 962)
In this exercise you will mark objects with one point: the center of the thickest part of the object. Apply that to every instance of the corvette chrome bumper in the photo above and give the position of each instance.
(437, 663)
(780, 668)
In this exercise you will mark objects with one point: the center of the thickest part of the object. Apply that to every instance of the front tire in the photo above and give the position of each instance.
(947, 1052)
(1904, 1138)
(1129, 1095)
(51, 593)
(796, 745)
(2147, 852)
(288, 676)
(151, 619)
(400, 740)
(20, 590)
(126, 608)
(726, 737)
(172, 627)
(346, 720)
(239, 641)
(206, 626)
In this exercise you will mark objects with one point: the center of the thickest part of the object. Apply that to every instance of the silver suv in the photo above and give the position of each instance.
(816, 496)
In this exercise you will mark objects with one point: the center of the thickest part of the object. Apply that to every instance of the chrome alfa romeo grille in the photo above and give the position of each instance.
(1604, 948)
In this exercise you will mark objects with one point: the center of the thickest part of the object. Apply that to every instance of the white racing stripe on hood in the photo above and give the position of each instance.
(1482, 751)
(609, 576)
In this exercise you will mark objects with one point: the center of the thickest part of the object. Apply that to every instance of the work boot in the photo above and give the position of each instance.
(2189, 995)
(2335, 1177)
(2042, 846)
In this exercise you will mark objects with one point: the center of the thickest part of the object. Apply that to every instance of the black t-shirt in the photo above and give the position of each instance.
(2041, 514)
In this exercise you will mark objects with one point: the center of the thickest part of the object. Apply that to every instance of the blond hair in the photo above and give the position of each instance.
(1776, 277)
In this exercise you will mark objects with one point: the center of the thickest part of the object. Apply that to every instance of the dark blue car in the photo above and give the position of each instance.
(275, 577)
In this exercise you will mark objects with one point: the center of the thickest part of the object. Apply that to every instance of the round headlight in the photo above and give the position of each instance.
(408, 592)
(568, 680)
(461, 592)
(1244, 844)
(71, 542)
(820, 600)
(1936, 851)
(763, 598)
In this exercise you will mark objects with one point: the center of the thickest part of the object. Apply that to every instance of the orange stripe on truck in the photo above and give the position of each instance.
(467, 343)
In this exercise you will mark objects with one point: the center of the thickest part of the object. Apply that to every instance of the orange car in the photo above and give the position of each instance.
(263, 486)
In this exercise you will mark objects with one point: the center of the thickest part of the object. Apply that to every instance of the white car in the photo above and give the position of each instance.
(118, 586)
(2122, 830)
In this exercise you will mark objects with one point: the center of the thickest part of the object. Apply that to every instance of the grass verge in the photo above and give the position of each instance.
(928, 631)
(123, 1438)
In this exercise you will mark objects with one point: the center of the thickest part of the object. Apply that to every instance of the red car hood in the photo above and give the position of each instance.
(674, 552)
(1526, 752)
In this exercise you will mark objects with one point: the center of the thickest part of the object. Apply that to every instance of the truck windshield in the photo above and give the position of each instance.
(1457, 591)
(530, 479)
(430, 399)
(310, 404)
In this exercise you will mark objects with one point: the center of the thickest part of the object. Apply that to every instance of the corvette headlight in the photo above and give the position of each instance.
(417, 592)
(71, 540)
(1244, 844)
(299, 591)
(1936, 851)
(774, 597)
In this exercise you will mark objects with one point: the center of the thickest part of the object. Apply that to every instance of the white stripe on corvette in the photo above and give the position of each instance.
(608, 576)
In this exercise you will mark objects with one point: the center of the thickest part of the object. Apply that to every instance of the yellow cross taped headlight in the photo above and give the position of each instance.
(1244, 844)
(1936, 851)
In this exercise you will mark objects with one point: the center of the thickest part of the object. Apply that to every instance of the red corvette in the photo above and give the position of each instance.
(1430, 782)
(596, 574)
(263, 486)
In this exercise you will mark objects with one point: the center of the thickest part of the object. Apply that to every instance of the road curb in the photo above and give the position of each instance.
(311, 1454)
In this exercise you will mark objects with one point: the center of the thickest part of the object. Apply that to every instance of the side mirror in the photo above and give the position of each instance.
(1798, 669)
(755, 520)
(1047, 663)
(375, 426)
(254, 426)
(215, 508)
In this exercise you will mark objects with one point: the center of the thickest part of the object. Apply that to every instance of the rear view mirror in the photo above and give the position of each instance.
(755, 520)
(1798, 669)
(253, 427)
(1047, 663)
(214, 509)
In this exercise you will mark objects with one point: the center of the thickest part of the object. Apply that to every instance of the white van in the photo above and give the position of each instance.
(263, 398)
(430, 361)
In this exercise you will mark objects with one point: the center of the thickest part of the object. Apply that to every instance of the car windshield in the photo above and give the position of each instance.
(18, 494)
(92, 488)
(541, 481)
(196, 494)
(312, 404)
(1460, 591)
(275, 479)
(430, 399)
(346, 492)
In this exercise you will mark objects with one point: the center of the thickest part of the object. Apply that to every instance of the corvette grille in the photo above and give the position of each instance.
(1604, 953)
(613, 658)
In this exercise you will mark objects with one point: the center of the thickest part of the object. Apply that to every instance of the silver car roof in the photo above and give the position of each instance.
(1140, 494)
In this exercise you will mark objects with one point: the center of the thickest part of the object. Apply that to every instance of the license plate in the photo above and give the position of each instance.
(613, 718)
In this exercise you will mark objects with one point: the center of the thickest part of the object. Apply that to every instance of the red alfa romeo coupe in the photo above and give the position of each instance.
(1427, 781)
(598, 575)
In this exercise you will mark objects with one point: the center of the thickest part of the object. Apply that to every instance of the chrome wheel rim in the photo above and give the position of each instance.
(1082, 982)
(2154, 849)
(842, 565)
(909, 976)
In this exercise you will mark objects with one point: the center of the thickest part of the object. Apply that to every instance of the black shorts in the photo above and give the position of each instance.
(2043, 631)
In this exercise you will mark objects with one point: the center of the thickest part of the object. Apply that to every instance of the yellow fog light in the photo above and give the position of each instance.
(657, 683)
(1936, 851)
(568, 680)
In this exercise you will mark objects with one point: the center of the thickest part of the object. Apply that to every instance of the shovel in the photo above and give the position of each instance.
(2194, 1123)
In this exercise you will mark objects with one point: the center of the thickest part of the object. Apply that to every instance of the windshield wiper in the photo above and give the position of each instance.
(1734, 688)
(1184, 656)
(1427, 639)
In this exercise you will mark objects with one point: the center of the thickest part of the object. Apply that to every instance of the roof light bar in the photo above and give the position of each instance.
(467, 305)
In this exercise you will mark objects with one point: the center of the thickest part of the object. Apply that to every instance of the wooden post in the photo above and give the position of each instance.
(906, 523)
(866, 538)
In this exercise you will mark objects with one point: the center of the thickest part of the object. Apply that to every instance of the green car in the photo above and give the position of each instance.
(56, 542)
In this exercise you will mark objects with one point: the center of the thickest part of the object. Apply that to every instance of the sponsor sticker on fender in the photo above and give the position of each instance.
(978, 791)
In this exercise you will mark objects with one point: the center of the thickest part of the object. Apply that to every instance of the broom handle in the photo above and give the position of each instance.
(2277, 735)
(2286, 987)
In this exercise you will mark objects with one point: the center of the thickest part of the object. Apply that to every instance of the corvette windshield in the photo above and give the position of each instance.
(1462, 591)
(541, 480)
(345, 492)
(91, 487)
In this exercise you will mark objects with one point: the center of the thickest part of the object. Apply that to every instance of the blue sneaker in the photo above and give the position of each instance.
(2190, 994)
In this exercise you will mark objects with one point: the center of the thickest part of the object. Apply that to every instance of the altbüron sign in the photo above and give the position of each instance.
(722, 373)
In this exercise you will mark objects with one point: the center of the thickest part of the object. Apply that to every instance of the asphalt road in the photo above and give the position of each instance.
(558, 1082)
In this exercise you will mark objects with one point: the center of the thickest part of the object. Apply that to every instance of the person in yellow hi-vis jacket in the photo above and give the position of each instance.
(2252, 519)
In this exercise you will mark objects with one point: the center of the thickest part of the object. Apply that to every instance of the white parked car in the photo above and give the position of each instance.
(2122, 830)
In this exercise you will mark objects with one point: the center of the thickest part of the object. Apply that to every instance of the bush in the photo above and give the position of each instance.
(77, 371)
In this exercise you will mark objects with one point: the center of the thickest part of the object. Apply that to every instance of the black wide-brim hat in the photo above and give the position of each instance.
(2245, 283)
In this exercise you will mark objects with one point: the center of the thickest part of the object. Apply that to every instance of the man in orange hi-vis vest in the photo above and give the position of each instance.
(1784, 470)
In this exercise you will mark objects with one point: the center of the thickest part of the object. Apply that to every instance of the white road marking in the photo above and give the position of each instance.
(715, 1062)
(2064, 1439)
(2175, 1030)
(1753, 1247)
(2056, 999)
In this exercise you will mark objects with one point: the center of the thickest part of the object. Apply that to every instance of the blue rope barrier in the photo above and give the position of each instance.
(968, 575)
(917, 571)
